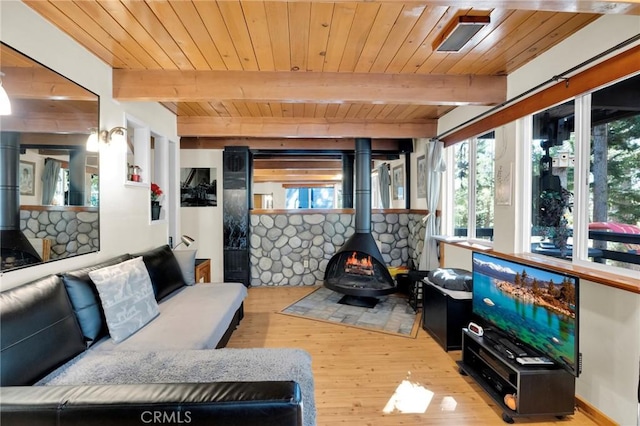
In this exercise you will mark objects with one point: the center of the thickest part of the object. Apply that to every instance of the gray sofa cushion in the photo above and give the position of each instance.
(195, 317)
(38, 331)
(164, 270)
(85, 301)
(187, 261)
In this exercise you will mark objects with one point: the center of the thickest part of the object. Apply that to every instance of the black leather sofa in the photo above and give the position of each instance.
(223, 403)
(39, 332)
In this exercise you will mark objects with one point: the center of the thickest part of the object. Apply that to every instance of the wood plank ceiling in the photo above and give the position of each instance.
(314, 69)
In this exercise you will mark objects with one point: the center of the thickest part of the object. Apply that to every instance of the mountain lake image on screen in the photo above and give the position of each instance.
(534, 305)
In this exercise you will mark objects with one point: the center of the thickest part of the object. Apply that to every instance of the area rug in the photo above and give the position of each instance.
(192, 366)
(392, 314)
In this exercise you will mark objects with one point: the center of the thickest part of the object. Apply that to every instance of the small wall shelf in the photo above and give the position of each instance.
(136, 184)
(147, 158)
(137, 149)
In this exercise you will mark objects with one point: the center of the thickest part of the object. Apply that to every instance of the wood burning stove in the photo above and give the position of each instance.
(358, 269)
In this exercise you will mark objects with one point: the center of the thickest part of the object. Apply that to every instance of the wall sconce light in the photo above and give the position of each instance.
(459, 32)
(5, 104)
(104, 136)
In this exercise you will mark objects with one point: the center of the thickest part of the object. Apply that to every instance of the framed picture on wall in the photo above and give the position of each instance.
(27, 177)
(398, 182)
(422, 176)
(198, 187)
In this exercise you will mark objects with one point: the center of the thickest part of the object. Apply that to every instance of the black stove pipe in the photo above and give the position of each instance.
(363, 185)
(9, 187)
(15, 248)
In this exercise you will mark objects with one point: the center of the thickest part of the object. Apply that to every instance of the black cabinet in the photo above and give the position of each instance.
(444, 316)
(540, 390)
(236, 201)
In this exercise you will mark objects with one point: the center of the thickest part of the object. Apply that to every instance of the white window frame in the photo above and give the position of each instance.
(581, 180)
(581, 187)
(448, 191)
(524, 183)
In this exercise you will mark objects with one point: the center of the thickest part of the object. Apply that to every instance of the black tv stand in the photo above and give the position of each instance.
(541, 390)
(506, 346)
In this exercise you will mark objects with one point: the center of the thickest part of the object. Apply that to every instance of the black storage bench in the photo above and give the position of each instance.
(446, 305)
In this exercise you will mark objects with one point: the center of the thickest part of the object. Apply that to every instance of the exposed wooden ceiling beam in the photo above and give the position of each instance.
(301, 173)
(287, 127)
(332, 87)
(297, 163)
(49, 123)
(48, 139)
(327, 184)
(382, 149)
(267, 157)
(265, 145)
(41, 83)
(297, 179)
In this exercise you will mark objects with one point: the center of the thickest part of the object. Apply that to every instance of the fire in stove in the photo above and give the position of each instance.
(363, 266)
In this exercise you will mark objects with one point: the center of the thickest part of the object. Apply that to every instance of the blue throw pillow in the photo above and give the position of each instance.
(84, 299)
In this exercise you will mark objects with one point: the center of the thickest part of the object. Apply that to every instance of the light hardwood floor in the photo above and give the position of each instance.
(356, 371)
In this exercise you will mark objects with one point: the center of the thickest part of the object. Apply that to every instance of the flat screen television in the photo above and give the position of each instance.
(533, 305)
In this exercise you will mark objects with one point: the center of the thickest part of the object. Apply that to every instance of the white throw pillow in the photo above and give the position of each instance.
(187, 261)
(127, 297)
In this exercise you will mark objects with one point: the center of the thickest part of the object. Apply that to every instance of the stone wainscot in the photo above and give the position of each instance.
(293, 248)
(72, 231)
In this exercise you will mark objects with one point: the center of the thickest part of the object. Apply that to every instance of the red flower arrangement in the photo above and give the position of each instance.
(156, 192)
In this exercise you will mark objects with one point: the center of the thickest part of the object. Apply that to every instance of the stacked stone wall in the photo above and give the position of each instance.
(293, 249)
(71, 232)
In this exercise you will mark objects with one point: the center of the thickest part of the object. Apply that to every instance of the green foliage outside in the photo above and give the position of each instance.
(623, 170)
(623, 180)
(461, 185)
(484, 190)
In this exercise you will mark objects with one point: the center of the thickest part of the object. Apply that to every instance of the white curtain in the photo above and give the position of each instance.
(50, 180)
(435, 166)
(384, 181)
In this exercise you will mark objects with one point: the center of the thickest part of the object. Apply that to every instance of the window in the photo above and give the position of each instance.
(613, 202)
(473, 167)
(461, 188)
(310, 198)
(376, 203)
(61, 195)
(596, 218)
(95, 189)
(552, 172)
(484, 186)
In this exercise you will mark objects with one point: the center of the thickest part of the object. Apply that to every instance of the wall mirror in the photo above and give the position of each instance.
(49, 194)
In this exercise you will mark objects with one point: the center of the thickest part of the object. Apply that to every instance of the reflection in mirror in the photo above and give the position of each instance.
(49, 186)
